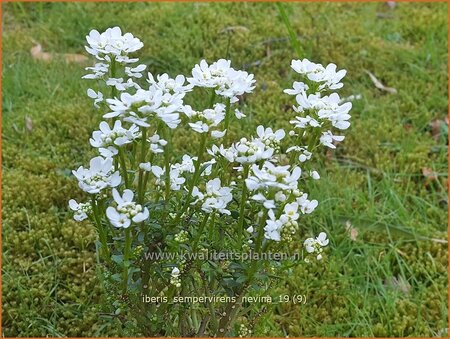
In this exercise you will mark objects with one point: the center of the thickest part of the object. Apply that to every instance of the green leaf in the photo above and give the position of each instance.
(117, 258)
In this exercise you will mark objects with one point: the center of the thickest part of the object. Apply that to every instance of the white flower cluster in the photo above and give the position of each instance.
(287, 223)
(244, 151)
(175, 277)
(107, 140)
(141, 109)
(156, 143)
(176, 180)
(215, 197)
(275, 186)
(276, 181)
(226, 81)
(100, 175)
(81, 209)
(112, 48)
(176, 171)
(206, 119)
(112, 43)
(314, 245)
(319, 111)
(126, 210)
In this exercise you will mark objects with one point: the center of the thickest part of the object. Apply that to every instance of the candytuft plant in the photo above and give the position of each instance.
(185, 238)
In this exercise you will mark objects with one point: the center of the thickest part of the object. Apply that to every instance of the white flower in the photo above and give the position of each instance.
(119, 107)
(123, 59)
(273, 227)
(305, 67)
(304, 153)
(214, 198)
(117, 83)
(315, 175)
(168, 85)
(175, 177)
(330, 78)
(112, 43)
(321, 111)
(99, 176)
(267, 203)
(81, 209)
(97, 96)
(248, 152)
(176, 180)
(327, 76)
(206, 119)
(156, 143)
(280, 196)
(314, 245)
(227, 153)
(326, 108)
(218, 134)
(298, 88)
(327, 139)
(309, 245)
(186, 165)
(97, 71)
(286, 225)
(108, 140)
(126, 210)
(239, 115)
(131, 84)
(300, 122)
(139, 107)
(331, 110)
(270, 175)
(175, 272)
(227, 81)
(175, 277)
(307, 101)
(322, 239)
(290, 212)
(135, 72)
(145, 166)
(270, 138)
(306, 206)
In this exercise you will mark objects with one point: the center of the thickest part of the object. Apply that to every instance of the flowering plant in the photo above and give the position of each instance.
(159, 213)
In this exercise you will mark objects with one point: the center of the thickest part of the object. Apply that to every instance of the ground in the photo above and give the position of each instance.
(383, 194)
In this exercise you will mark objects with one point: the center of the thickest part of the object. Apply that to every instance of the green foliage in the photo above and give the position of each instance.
(374, 181)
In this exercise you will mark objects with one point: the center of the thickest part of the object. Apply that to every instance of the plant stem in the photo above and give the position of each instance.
(232, 310)
(242, 205)
(167, 166)
(214, 323)
(212, 98)
(227, 120)
(260, 237)
(211, 233)
(200, 232)
(126, 257)
(113, 75)
(196, 177)
(123, 167)
(101, 232)
(141, 160)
